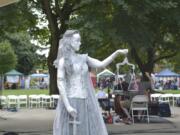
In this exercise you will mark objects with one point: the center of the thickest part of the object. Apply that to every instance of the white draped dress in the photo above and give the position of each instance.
(81, 95)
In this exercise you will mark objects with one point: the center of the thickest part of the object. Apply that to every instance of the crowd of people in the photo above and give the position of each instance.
(167, 84)
(123, 92)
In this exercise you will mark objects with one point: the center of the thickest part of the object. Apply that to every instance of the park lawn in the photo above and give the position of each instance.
(25, 92)
(171, 91)
(46, 91)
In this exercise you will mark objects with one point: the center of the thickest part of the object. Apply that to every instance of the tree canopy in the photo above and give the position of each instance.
(150, 29)
(25, 51)
(8, 58)
(17, 26)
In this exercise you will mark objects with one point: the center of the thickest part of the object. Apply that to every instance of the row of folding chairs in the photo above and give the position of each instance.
(31, 101)
(141, 102)
(170, 98)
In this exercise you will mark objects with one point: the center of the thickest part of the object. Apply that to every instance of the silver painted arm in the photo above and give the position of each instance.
(95, 63)
(61, 82)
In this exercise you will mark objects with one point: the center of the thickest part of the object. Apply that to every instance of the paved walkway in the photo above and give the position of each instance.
(40, 121)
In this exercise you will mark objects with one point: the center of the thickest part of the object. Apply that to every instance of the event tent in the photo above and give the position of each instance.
(39, 75)
(13, 76)
(41, 80)
(105, 73)
(13, 72)
(167, 73)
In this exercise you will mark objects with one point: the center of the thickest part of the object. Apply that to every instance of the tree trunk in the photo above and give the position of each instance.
(52, 70)
(64, 14)
(144, 67)
(1, 89)
(53, 89)
(53, 81)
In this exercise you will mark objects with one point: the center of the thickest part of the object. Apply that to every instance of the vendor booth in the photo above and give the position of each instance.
(39, 80)
(13, 79)
(167, 76)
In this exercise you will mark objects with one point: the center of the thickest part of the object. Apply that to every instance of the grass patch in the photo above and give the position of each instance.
(46, 91)
(170, 91)
(25, 92)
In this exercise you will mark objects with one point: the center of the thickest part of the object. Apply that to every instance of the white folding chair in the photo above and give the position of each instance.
(41, 99)
(54, 99)
(34, 100)
(22, 101)
(46, 101)
(140, 103)
(166, 98)
(155, 96)
(3, 101)
(12, 101)
(175, 98)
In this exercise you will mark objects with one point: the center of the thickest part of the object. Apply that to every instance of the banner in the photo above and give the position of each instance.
(12, 79)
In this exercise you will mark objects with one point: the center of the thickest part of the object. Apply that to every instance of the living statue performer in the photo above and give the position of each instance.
(78, 111)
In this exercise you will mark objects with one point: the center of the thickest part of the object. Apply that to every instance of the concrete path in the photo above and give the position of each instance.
(40, 122)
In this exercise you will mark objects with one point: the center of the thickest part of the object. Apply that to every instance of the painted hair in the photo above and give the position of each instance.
(65, 49)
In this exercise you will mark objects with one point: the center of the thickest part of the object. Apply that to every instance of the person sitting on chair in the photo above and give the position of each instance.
(121, 108)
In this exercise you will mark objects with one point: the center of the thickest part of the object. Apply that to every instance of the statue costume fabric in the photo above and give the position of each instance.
(89, 113)
(78, 111)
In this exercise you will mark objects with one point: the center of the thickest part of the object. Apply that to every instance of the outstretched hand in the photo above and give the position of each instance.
(123, 51)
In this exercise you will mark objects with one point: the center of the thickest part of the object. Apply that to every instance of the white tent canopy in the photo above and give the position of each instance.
(38, 75)
(105, 73)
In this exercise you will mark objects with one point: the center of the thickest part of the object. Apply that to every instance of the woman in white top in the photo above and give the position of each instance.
(77, 112)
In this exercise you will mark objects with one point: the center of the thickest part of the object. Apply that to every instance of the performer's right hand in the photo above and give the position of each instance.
(123, 51)
(72, 111)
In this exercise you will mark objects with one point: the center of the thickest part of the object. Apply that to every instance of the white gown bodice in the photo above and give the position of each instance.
(76, 85)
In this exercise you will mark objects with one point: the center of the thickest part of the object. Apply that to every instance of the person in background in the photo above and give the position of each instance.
(122, 107)
(101, 94)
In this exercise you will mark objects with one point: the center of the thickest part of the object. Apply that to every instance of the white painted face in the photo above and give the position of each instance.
(76, 42)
